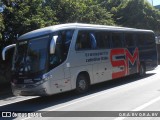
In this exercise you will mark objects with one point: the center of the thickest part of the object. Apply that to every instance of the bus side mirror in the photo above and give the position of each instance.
(6, 49)
(53, 44)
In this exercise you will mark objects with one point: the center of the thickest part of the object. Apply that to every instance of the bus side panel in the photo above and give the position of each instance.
(147, 47)
(149, 57)
(58, 81)
(78, 64)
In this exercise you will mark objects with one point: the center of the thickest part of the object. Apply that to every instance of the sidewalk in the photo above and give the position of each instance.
(6, 96)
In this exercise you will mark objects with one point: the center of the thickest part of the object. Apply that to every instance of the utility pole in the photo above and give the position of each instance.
(152, 2)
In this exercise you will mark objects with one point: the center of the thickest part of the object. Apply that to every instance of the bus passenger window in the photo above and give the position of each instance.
(141, 39)
(129, 38)
(150, 39)
(106, 40)
(67, 42)
(103, 39)
(62, 47)
(93, 41)
(117, 40)
(85, 41)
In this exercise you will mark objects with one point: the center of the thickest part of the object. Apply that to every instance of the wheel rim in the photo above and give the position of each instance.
(82, 84)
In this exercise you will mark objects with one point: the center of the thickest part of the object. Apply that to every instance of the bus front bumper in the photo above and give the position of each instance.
(30, 89)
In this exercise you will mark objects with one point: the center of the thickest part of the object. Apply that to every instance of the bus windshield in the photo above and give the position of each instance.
(30, 56)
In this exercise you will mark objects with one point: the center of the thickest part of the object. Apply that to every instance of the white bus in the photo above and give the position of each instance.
(72, 56)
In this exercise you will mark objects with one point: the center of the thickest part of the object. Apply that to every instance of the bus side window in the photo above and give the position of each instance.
(141, 39)
(82, 41)
(56, 58)
(62, 47)
(150, 39)
(85, 41)
(103, 39)
(129, 40)
(93, 41)
(106, 39)
(67, 42)
(117, 40)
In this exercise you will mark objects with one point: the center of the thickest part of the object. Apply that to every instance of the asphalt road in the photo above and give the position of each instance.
(126, 94)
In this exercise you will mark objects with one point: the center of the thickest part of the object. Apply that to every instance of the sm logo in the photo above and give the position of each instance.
(122, 58)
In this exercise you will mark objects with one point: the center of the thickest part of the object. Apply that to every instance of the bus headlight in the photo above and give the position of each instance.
(46, 76)
(38, 83)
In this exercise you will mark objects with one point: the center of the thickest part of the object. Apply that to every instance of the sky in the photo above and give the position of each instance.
(155, 2)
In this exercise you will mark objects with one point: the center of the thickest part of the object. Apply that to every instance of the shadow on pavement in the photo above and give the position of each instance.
(5, 90)
(39, 103)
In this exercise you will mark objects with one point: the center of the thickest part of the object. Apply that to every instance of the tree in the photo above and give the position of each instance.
(113, 6)
(84, 11)
(21, 16)
(110, 4)
(133, 13)
(1, 26)
(138, 14)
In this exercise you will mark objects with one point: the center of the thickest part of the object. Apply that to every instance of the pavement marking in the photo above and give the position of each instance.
(92, 96)
(15, 99)
(141, 107)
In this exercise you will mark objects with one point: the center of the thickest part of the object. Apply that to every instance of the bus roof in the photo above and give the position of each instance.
(50, 29)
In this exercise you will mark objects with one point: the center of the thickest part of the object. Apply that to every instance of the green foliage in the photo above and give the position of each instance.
(84, 11)
(110, 4)
(139, 14)
(1, 26)
(22, 16)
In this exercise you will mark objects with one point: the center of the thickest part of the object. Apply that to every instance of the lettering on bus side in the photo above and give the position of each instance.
(126, 58)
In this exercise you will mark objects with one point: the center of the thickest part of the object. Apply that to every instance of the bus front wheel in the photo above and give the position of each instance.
(82, 84)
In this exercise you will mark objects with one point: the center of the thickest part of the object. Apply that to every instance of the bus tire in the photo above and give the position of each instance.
(82, 83)
(142, 70)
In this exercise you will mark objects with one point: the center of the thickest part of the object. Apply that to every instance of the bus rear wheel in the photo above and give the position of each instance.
(82, 84)
(142, 70)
